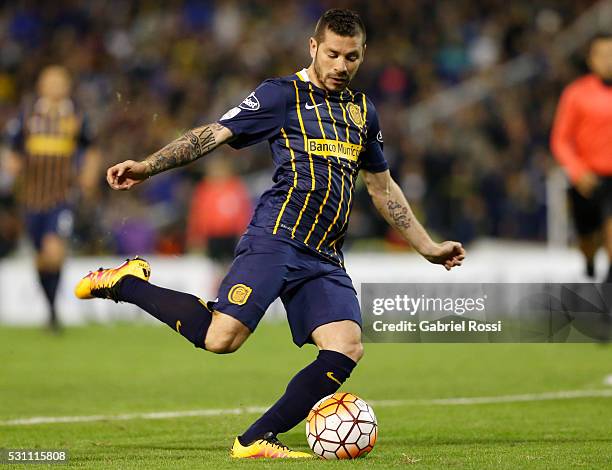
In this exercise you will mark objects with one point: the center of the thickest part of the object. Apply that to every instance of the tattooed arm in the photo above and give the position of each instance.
(390, 201)
(194, 144)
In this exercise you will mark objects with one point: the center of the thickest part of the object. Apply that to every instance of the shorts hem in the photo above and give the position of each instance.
(308, 338)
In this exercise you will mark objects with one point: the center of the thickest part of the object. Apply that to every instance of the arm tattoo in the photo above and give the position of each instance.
(187, 148)
(399, 214)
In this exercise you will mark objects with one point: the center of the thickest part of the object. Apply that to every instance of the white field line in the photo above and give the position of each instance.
(527, 397)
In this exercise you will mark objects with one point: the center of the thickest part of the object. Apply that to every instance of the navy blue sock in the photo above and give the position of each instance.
(49, 281)
(182, 312)
(317, 380)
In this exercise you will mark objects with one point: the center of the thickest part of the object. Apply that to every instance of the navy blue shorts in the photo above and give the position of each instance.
(314, 292)
(57, 220)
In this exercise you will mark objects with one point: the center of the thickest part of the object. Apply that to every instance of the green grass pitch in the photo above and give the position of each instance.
(113, 370)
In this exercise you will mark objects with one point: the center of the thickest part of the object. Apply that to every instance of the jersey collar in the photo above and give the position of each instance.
(303, 75)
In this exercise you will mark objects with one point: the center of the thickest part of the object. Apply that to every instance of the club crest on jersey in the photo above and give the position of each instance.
(239, 294)
(250, 103)
(355, 114)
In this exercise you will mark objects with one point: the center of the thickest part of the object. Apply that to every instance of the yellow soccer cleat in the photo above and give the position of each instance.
(267, 448)
(100, 283)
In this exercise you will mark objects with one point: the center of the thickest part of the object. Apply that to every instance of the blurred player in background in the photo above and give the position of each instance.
(51, 149)
(322, 134)
(582, 142)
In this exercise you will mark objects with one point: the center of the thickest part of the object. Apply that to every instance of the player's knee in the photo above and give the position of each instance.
(354, 350)
(222, 344)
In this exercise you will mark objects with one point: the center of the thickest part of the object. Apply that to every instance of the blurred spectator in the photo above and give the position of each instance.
(9, 224)
(220, 210)
(9, 221)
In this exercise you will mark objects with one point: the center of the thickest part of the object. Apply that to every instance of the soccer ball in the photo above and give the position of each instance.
(341, 426)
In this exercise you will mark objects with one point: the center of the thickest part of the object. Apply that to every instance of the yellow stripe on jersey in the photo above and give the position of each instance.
(332, 117)
(329, 176)
(365, 109)
(295, 176)
(348, 140)
(339, 206)
(314, 103)
(351, 183)
(51, 145)
(316, 221)
(312, 188)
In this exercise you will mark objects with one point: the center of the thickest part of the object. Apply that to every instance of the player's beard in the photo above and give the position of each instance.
(321, 77)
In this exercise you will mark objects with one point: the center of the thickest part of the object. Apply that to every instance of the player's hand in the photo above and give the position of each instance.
(125, 175)
(587, 184)
(449, 254)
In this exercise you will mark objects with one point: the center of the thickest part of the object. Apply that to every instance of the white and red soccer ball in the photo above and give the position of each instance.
(341, 426)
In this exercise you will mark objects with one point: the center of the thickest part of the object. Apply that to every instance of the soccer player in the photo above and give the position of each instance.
(582, 141)
(48, 142)
(321, 134)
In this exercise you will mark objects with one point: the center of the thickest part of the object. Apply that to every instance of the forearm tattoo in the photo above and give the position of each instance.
(187, 148)
(399, 214)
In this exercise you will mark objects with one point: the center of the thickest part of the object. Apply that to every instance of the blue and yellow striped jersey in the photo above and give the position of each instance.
(319, 142)
(48, 138)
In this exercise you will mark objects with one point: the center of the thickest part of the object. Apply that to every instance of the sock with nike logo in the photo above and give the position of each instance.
(184, 313)
(317, 380)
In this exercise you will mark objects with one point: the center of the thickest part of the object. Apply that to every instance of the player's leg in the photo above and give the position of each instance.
(605, 198)
(325, 311)
(586, 214)
(226, 334)
(49, 262)
(200, 322)
(253, 282)
(49, 231)
(589, 245)
(185, 313)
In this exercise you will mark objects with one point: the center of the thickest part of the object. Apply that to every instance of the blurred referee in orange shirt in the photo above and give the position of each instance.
(51, 155)
(582, 142)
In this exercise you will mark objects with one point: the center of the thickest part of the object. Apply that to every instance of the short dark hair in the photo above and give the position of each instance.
(342, 22)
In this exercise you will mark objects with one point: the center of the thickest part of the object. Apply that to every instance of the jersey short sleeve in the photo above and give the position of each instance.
(260, 115)
(372, 158)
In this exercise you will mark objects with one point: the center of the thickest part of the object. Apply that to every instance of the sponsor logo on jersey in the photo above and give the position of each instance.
(250, 103)
(231, 113)
(355, 114)
(334, 148)
(239, 294)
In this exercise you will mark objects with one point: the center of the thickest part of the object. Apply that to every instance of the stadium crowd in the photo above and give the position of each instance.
(145, 71)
